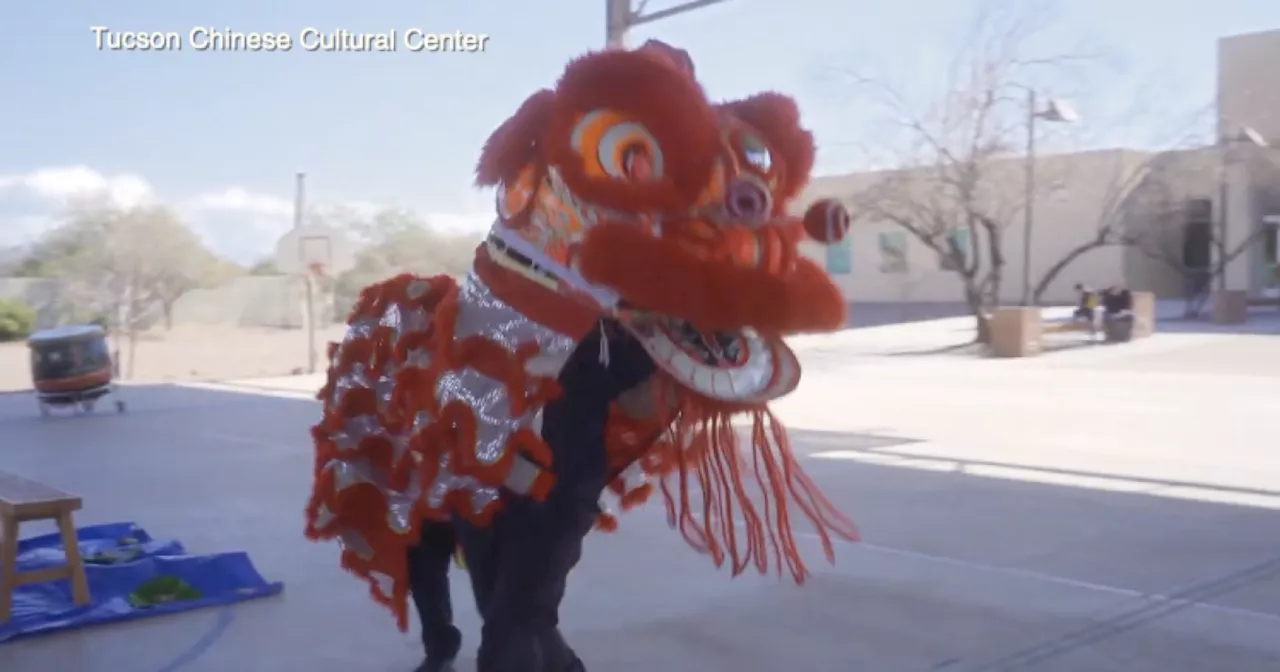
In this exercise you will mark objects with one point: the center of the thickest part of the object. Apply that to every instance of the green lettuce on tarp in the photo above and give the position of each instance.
(163, 590)
(131, 575)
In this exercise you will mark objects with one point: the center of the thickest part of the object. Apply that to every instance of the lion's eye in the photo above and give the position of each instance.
(614, 147)
(756, 153)
(628, 152)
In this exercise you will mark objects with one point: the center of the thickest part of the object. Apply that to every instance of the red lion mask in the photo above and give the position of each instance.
(626, 176)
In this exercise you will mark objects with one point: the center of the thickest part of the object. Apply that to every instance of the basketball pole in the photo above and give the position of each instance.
(308, 282)
(620, 17)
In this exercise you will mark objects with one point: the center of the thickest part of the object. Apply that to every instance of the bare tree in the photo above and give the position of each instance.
(962, 186)
(397, 241)
(1199, 269)
(126, 268)
(1180, 229)
(1141, 208)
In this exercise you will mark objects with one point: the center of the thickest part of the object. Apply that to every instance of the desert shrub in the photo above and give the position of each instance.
(17, 320)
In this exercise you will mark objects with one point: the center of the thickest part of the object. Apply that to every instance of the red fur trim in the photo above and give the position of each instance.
(649, 89)
(637, 497)
(606, 522)
(515, 143)
(662, 276)
(677, 56)
(777, 118)
(362, 509)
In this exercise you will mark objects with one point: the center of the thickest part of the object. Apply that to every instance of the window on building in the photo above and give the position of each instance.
(958, 239)
(840, 257)
(893, 252)
(1199, 210)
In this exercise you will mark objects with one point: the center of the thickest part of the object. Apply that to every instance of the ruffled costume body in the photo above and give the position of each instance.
(433, 400)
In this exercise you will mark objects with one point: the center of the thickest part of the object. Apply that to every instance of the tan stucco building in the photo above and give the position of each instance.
(1179, 203)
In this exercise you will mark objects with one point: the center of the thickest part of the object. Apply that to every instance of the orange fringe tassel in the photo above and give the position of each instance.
(736, 522)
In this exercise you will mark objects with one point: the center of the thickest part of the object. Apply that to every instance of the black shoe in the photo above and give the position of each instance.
(442, 651)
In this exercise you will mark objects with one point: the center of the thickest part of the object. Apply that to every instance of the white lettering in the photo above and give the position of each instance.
(312, 39)
(203, 38)
(415, 39)
(106, 39)
(309, 39)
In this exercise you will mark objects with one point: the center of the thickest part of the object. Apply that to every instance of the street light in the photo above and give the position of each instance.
(1243, 136)
(1055, 111)
(620, 18)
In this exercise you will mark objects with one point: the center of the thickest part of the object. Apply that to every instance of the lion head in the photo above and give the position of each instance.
(629, 188)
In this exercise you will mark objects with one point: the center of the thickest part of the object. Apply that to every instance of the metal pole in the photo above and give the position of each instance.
(299, 188)
(308, 283)
(1220, 238)
(620, 18)
(1030, 197)
(617, 20)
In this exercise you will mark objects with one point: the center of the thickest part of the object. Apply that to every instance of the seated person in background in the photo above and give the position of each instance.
(1088, 304)
(1117, 302)
(1117, 306)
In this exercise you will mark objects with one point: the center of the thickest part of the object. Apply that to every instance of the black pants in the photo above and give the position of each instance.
(520, 566)
(519, 570)
(429, 583)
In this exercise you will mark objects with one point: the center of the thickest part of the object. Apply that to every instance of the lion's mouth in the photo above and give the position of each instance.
(741, 366)
(714, 348)
(717, 348)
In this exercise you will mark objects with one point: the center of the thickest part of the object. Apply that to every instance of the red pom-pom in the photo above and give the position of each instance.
(827, 221)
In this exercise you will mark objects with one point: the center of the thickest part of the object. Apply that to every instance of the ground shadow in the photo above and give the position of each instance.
(956, 568)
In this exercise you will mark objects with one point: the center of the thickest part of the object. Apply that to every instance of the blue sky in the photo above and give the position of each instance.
(220, 135)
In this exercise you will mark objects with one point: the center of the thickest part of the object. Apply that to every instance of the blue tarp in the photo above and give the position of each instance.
(131, 575)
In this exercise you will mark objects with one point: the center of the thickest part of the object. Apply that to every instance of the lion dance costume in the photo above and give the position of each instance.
(624, 193)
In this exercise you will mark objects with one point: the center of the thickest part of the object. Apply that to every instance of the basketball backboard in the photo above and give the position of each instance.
(302, 247)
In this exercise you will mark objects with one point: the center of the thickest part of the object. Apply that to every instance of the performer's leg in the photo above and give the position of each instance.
(539, 544)
(479, 547)
(429, 585)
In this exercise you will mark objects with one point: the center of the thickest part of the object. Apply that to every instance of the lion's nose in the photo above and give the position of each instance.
(748, 200)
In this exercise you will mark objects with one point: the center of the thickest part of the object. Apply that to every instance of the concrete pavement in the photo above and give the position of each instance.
(1074, 512)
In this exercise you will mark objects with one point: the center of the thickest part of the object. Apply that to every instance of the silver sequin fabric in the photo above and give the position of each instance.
(482, 314)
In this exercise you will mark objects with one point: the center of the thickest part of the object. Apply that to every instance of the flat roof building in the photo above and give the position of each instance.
(1182, 207)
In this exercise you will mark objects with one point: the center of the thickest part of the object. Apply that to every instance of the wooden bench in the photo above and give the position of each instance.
(23, 500)
(1019, 331)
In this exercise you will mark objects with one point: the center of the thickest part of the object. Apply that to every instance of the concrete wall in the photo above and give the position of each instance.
(1249, 97)
(1249, 84)
(1076, 193)
(252, 301)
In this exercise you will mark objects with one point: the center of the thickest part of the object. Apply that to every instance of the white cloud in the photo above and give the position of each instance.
(235, 221)
(239, 199)
(65, 184)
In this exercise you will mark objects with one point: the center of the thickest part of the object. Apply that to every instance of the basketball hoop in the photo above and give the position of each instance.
(316, 269)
